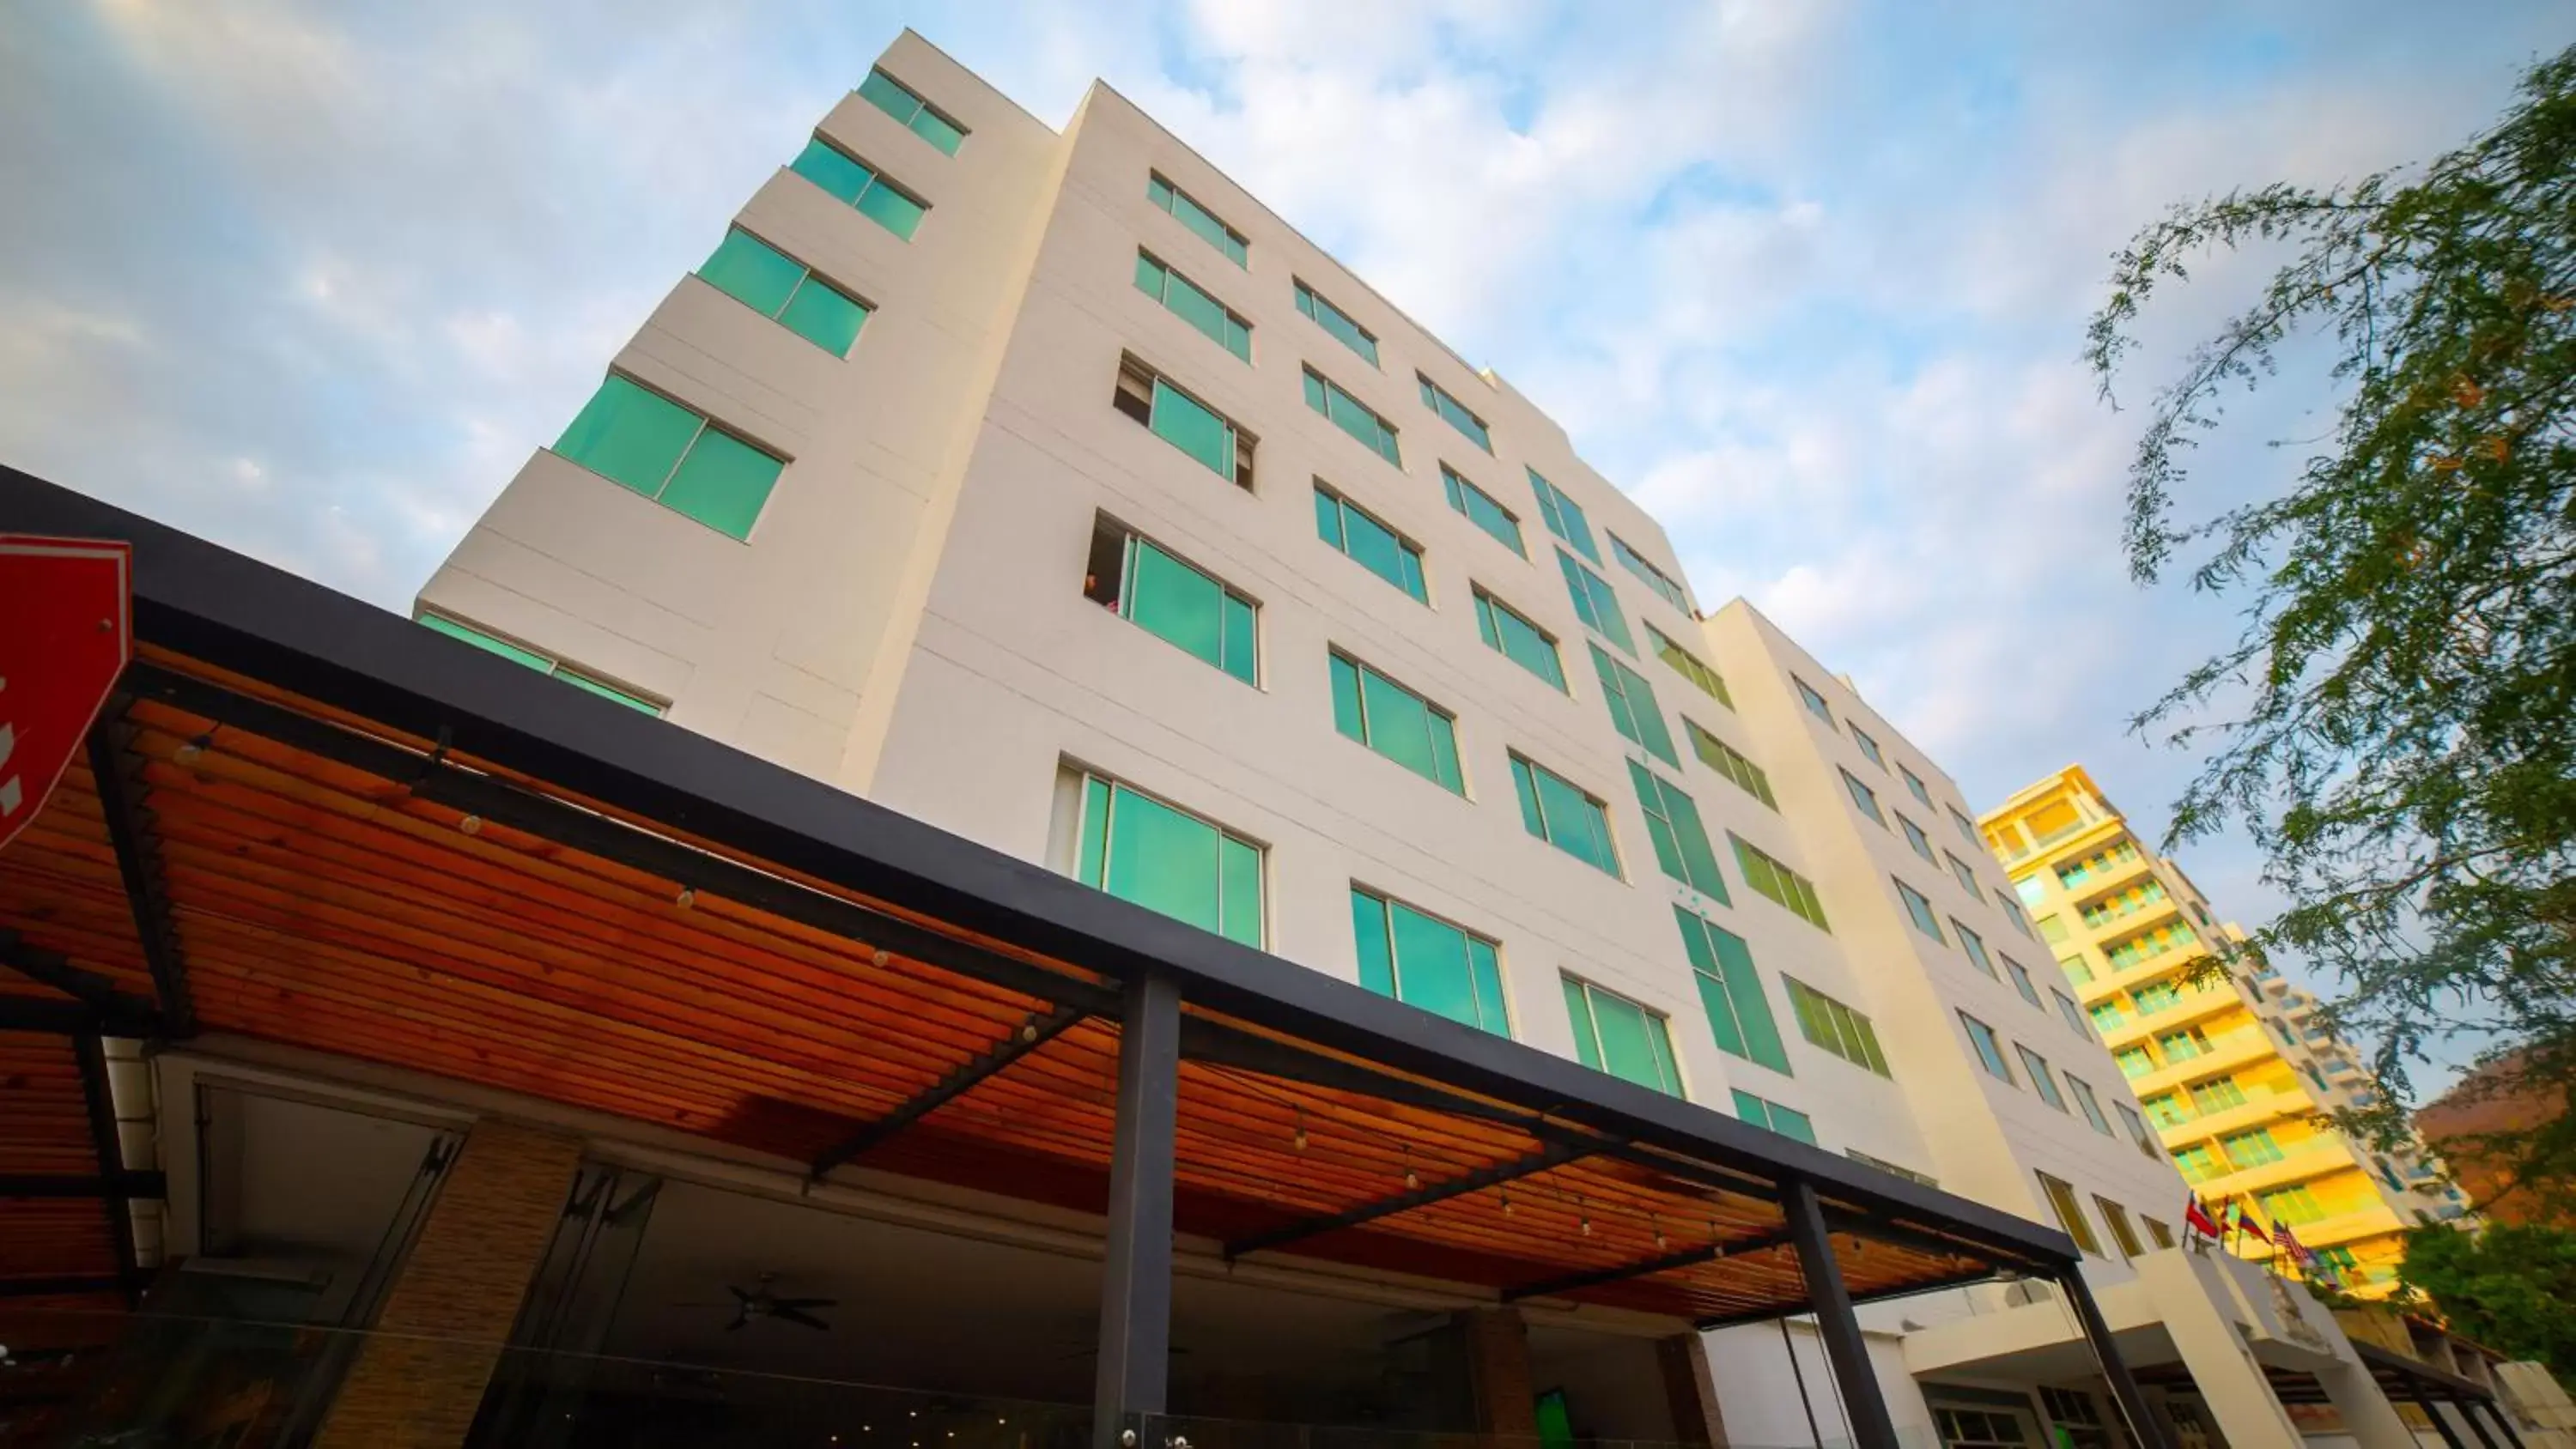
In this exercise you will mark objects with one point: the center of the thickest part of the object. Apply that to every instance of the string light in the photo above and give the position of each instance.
(471, 824)
(1507, 1204)
(1412, 1179)
(187, 754)
(688, 898)
(1301, 1129)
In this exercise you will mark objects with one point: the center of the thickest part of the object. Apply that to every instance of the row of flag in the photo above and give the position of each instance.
(2234, 1222)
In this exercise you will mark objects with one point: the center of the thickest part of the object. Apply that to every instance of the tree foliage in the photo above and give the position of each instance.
(2507, 1288)
(2396, 722)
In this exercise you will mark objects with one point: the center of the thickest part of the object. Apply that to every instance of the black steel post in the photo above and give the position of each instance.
(2144, 1426)
(2442, 1426)
(2504, 1421)
(1831, 1302)
(2468, 1416)
(1136, 1271)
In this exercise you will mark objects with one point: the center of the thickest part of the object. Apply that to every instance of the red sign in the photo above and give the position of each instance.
(66, 630)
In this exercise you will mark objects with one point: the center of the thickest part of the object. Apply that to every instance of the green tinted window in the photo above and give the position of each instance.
(2042, 1080)
(1482, 510)
(1505, 631)
(1352, 416)
(1139, 849)
(1829, 1024)
(1178, 603)
(1558, 812)
(1915, 837)
(1191, 303)
(1563, 516)
(1920, 910)
(531, 659)
(1725, 759)
(1867, 745)
(853, 181)
(1454, 413)
(897, 100)
(1990, 1049)
(1779, 883)
(1688, 666)
(776, 285)
(1730, 991)
(1372, 544)
(671, 455)
(1396, 722)
(1863, 797)
(1594, 604)
(2021, 981)
(1787, 1121)
(1680, 839)
(2091, 1104)
(1654, 578)
(1633, 711)
(1616, 1035)
(1975, 946)
(1428, 963)
(1198, 219)
(1331, 318)
(1914, 783)
(1814, 702)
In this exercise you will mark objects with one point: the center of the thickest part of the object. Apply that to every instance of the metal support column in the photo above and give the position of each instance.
(2442, 1426)
(2504, 1421)
(1136, 1271)
(2148, 1430)
(2468, 1416)
(1831, 1302)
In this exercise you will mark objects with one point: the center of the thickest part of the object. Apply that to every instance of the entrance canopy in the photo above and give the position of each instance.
(310, 822)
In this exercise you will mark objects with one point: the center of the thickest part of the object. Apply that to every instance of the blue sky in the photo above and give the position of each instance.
(312, 277)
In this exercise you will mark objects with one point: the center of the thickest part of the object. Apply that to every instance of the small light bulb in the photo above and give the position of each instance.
(1587, 1227)
(1507, 1204)
(688, 898)
(1412, 1178)
(471, 824)
(878, 958)
(1301, 1139)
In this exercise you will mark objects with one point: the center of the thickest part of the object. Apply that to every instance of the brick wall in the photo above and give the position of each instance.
(1498, 1368)
(1690, 1391)
(417, 1383)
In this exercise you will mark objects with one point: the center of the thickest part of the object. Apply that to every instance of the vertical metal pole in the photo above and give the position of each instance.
(1831, 1301)
(1136, 1271)
(2504, 1421)
(89, 1051)
(2468, 1416)
(2450, 1436)
(2144, 1426)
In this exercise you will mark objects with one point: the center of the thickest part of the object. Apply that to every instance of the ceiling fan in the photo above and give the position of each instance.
(759, 1302)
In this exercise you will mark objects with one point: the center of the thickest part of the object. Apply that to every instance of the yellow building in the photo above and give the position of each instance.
(2230, 1064)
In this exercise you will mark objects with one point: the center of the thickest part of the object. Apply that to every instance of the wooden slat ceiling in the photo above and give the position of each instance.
(326, 907)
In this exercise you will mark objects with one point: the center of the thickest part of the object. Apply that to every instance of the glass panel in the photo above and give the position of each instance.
(1376, 549)
(1239, 884)
(1149, 276)
(1431, 965)
(822, 315)
(1627, 1040)
(1368, 930)
(752, 272)
(1328, 519)
(1242, 642)
(1170, 599)
(1399, 723)
(1482, 511)
(1195, 307)
(1578, 1009)
(1164, 860)
(1752, 1008)
(930, 127)
(1698, 861)
(890, 96)
(1346, 699)
(1574, 823)
(891, 209)
(487, 643)
(723, 483)
(1238, 338)
(1095, 828)
(1520, 641)
(1789, 1122)
(1722, 1023)
(1444, 753)
(825, 166)
(1484, 965)
(628, 435)
(1563, 516)
(608, 691)
(1186, 425)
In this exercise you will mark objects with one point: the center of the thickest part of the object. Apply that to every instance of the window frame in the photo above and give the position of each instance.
(2043, 1078)
(1322, 392)
(1590, 1049)
(1130, 541)
(1914, 782)
(1674, 809)
(1918, 907)
(807, 275)
(1311, 302)
(1416, 583)
(1663, 585)
(1869, 747)
(1132, 368)
(1237, 248)
(2082, 1092)
(1731, 982)
(1555, 506)
(1362, 672)
(2063, 1201)
(658, 494)
(1233, 321)
(1634, 711)
(1085, 777)
(1731, 763)
(1816, 703)
(1988, 1047)
(876, 178)
(1835, 1027)
(1790, 891)
(921, 107)
(543, 663)
(1594, 600)
(1456, 486)
(1433, 395)
(1702, 675)
(1525, 773)
(1387, 906)
(1975, 947)
(1489, 609)
(1863, 798)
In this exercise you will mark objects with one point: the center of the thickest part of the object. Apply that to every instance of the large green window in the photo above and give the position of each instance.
(1681, 841)
(2291, 1205)
(1373, 545)
(1920, 910)
(1191, 303)
(1334, 320)
(779, 287)
(2042, 1080)
(1967, 877)
(1633, 711)
(1198, 219)
(1729, 761)
(1594, 604)
(2134, 1061)
(1481, 510)
(2200, 1162)
(1139, 849)
(1455, 413)
(1509, 633)
(2217, 1095)
(1814, 702)
(1352, 416)
(1867, 745)
(851, 180)
(1615, 1035)
(1990, 1049)
(2012, 913)
(1863, 797)
(898, 100)
(1557, 811)
(1837, 1028)
(2091, 1104)
(1688, 666)
(1787, 1121)
(1184, 422)
(1654, 578)
(1975, 946)
(2138, 1132)
(1396, 722)
(1730, 991)
(671, 455)
(1781, 884)
(1915, 837)
(1174, 601)
(2021, 981)
(1563, 516)
(1428, 963)
(2252, 1149)
(545, 664)
(1914, 782)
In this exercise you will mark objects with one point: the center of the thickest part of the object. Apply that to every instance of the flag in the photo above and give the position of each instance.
(2247, 1222)
(2197, 1219)
(2288, 1242)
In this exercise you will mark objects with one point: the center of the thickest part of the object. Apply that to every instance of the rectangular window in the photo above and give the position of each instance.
(2217, 1095)
(2070, 1213)
(1166, 859)
(2053, 931)
(2116, 1218)
(2138, 1132)
(1727, 760)
(2032, 890)
(899, 101)
(672, 455)
(545, 664)
(1653, 577)
(1455, 413)
(1688, 666)
(1883, 1165)
(2091, 1104)
(2134, 1062)
(1914, 783)
(1730, 991)
(1867, 745)
(1183, 421)
(1633, 711)
(784, 290)
(2012, 915)
(2291, 1205)
(1814, 702)
(1559, 812)
(1395, 722)
(1334, 320)
(1173, 601)
(1563, 516)
(2156, 996)
(849, 180)
(1778, 882)
(1369, 543)
(1967, 877)
(2042, 1079)
(1681, 841)
(1352, 416)
(1967, 828)
(2021, 981)
(1191, 303)
(2158, 1233)
(1426, 962)
(2199, 1163)
(2166, 1110)
(1481, 510)
(1990, 1049)
(2074, 1014)
(2183, 1045)
(1509, 632)
(1615, 1035)
(1915, 837)
(1975, 946)
(1594, 604)
(2107, 1016)
(1837, 1028)
(1198, 219)
(1786, 1121)
(1920, 910)
(2252, 1149)
(1863, 797)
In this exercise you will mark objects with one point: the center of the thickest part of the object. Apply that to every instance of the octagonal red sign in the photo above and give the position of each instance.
(66, 630)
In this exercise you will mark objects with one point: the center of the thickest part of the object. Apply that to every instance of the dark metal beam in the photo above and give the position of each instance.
(1031, 1034)
(2502, 1419)
(52, 968)
(118, 773)
(1553, 1155)
(2442, 1426)
(91, 1052)
(1854, 1376)
(72, 1018)
(23, 1185)
(2145, 1428)
(66, 1285)
(1981, 1273)
(1134, 1368)
(1680, 1258)
(2468, 1416)
(1206, 1040)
